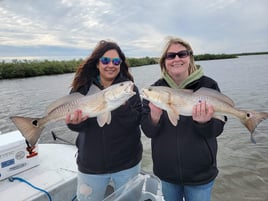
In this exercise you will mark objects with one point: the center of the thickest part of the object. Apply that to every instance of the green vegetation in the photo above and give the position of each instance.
(214, 56)
(134, 62)
(251, 53)
(27, 68)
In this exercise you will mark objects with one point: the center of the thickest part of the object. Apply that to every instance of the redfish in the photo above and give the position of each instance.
(99, 104)
(181, 102)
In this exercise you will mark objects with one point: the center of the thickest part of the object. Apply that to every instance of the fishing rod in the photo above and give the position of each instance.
(55, 137)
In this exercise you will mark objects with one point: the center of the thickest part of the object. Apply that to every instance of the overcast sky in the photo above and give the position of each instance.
(73, 27)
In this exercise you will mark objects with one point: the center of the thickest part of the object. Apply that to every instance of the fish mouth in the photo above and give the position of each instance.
(143, 94)
(130, 88)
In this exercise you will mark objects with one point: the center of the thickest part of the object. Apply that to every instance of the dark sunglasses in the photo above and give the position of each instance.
(105, 60)
(180, 54)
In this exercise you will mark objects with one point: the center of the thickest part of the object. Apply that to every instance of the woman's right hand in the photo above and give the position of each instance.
(75, 118)
(156, 113)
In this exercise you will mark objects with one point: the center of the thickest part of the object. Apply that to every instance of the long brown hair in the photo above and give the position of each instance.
(174, 40)
(88, 68)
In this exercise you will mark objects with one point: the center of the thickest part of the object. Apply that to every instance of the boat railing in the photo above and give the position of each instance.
(143, 187)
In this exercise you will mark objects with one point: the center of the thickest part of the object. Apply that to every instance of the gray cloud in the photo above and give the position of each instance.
(139, 27)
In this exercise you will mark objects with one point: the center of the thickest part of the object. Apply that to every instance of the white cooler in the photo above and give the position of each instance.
(15, 157)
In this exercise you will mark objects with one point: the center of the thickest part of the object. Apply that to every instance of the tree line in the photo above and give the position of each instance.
(31, 68)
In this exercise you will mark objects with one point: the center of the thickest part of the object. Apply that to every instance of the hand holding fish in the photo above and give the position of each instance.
(77, 108)
(156, 113)
(76, 118)
(202, 112)
(214, 104)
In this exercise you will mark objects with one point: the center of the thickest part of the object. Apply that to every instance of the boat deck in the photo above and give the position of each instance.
(55, 178)
(56, 174)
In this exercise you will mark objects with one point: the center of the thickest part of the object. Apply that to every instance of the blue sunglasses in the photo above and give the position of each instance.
(105, 60)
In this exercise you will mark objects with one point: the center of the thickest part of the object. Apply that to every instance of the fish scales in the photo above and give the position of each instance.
(99, 104)
(181, 102)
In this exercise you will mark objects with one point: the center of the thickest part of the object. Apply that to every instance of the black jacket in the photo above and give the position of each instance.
(113, 147)
(185, 154)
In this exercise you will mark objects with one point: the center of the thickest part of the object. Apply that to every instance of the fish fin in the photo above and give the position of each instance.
(63, 100)
(187, 91)
(168, 89)
(109, 118)
(215, 94)
(104, 118)
(173, 116)
(93, 89)
(98, 105)
(29, 128)
(220, 117)
(252, 119)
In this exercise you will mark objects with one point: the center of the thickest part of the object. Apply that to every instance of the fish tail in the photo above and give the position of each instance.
(29, 127)
(252, 120)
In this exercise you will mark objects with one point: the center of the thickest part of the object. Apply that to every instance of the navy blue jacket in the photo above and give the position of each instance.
(113, 147)
(184, 154)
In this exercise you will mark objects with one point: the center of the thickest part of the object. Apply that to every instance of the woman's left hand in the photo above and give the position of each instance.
(202, 112)
(75, 118)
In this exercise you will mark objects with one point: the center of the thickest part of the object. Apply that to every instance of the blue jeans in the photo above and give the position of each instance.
(93, 186)
(174, 192)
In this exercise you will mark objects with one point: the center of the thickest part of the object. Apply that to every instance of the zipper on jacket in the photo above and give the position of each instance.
(105, 166)
(179, 162)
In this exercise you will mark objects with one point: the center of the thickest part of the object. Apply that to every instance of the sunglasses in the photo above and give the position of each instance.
(180, 54)
(105, 60)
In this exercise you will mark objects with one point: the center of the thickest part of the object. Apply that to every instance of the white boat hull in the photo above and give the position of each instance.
(56, 174)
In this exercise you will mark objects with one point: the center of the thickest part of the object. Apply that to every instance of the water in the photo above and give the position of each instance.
(243, 165)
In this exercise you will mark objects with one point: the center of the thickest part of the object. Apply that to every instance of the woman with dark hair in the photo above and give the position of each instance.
(114, 151)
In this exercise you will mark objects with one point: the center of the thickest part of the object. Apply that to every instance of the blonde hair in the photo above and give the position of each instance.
(175, 40)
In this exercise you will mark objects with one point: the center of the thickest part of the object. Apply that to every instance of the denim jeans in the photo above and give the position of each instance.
(174, 192)
(93, 186)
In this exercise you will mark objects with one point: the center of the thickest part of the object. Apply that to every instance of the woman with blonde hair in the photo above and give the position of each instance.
(184, 156)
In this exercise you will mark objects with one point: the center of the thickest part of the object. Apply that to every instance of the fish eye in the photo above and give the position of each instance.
(149, 89)
(35, 122)
(121, 84)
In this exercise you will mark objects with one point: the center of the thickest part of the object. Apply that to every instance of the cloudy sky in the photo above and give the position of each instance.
(73, 27)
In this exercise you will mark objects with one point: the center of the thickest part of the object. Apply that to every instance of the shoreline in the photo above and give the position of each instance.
(33, 68)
